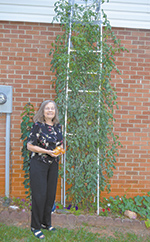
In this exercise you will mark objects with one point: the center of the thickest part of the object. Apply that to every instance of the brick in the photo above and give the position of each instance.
(30, 50)
(30, 71)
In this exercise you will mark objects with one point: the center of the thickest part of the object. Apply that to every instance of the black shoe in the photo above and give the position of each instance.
(49, 228)
(37, 233)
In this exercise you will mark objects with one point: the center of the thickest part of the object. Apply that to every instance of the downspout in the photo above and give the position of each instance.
(6, 107)
(7, 155)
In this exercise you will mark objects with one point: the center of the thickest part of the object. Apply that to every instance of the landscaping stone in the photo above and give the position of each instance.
(130, 214)
(4, 216)
(81, 219)
(127, 222)
(100, 221)
(71, 220)
(118, 221)
(138, 224)
(109, 221)
(14, 216)
(63, 211)
(6, 202)
(59, 219)
(92, 222)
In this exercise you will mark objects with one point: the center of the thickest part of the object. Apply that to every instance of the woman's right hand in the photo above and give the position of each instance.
(52, 153)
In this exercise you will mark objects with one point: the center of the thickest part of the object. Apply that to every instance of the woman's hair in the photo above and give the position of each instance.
(39, 116)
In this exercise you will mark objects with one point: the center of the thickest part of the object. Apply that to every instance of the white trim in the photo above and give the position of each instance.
(121, 13)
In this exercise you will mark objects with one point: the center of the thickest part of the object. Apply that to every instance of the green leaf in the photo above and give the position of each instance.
(26, 125)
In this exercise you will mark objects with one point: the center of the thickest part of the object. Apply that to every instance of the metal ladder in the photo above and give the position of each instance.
(86, 4)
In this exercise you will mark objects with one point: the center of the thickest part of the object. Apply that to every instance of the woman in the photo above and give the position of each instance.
(45, 136)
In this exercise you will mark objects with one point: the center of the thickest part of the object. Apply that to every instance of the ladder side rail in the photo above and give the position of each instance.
(66, 103)
(99, 104)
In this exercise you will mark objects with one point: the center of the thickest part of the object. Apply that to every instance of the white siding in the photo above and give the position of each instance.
(121, 13)
(128, 13)
(27, 10)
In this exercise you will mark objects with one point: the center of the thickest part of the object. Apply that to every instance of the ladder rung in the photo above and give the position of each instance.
(97, 22)
(93, 51)
(69, 90)
(90, 73)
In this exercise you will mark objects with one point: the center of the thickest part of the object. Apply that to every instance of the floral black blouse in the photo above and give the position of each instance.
(47, 137)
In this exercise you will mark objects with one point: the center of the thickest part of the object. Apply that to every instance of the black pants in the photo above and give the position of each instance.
(43, 182)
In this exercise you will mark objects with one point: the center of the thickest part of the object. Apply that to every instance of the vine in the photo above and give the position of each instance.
(26, 125)
(91, 99)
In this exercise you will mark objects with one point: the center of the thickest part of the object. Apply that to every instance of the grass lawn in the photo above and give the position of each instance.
(14, 234)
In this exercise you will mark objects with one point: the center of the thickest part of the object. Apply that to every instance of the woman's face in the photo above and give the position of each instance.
(49, 111)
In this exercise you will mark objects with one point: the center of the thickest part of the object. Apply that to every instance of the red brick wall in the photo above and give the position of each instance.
(132, 175)
(25, 65)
